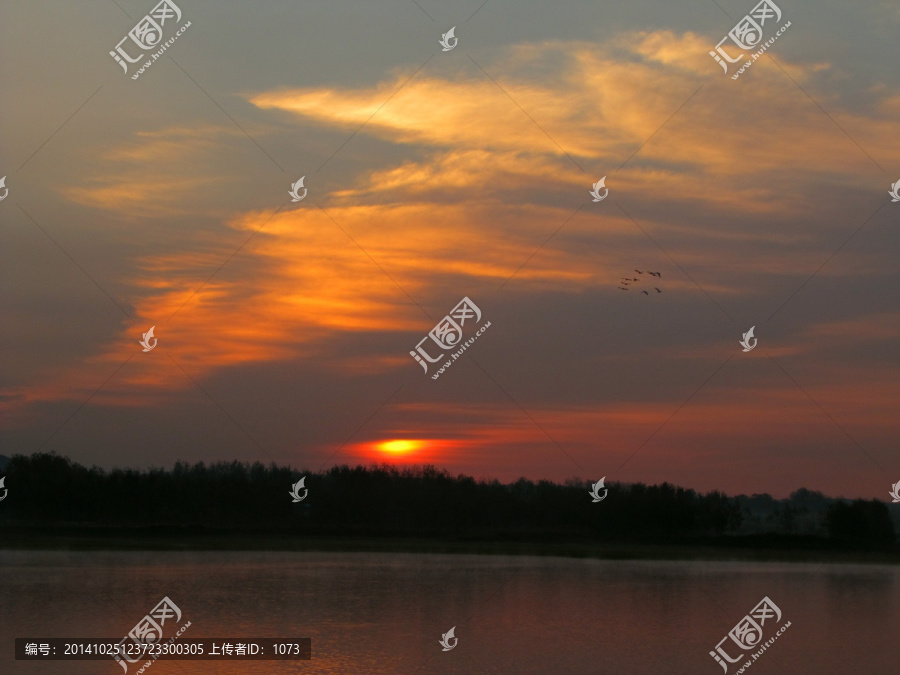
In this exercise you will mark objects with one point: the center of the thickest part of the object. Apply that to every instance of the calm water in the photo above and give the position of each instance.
(384, 613)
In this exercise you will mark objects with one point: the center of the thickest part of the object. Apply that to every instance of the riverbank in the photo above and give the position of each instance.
(737, 549)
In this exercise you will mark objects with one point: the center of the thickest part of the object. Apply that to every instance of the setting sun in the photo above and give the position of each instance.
(400, 447)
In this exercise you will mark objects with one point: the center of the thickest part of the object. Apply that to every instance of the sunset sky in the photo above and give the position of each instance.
(285, 328)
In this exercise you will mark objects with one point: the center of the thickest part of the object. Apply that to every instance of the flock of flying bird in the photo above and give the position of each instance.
(624, 283)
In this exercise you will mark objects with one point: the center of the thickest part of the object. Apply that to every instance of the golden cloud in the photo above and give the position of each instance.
(483, 199)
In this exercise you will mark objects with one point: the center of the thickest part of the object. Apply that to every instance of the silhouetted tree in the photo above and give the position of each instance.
(861, 523)
(49, 491)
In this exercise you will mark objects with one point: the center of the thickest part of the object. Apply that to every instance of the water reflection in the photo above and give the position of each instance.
(385, 613)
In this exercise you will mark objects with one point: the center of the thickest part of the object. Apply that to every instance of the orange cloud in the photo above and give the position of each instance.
(479, 204)
(601, 102)
(160, 174)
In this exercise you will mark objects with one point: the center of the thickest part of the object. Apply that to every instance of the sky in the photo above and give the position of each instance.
(285, 328)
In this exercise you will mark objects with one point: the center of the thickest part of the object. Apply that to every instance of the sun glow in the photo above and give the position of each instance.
(399, 447)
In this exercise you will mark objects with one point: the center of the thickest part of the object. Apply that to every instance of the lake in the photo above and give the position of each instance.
(385, 612)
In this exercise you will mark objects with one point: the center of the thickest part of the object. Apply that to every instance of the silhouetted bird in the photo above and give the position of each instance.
(657, 290)
(655, 274)
(645, 292)
(638, 271)
(622, 289)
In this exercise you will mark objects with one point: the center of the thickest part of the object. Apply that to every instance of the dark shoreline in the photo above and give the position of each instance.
(225, 541)
(55, 503)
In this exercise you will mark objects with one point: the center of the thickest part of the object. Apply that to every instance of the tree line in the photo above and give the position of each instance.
(47, 490)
